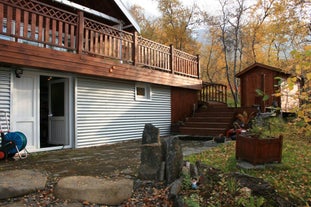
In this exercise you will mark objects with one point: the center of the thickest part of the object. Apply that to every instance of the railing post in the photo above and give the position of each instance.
(135, 48)
(80, 32)
(226, 98)
(172, 59)
(198, 67)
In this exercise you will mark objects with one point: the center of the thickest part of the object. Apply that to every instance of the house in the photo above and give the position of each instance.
(77, 73)
(267, 79)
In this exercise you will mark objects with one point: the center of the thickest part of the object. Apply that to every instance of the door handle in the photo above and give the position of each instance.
(50, 115)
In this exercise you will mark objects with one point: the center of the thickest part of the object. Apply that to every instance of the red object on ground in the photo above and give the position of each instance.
(233, 131)
(2, 155)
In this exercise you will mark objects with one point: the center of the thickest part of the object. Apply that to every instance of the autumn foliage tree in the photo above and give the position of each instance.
(175, 26)
(266, 31)
(238, 34)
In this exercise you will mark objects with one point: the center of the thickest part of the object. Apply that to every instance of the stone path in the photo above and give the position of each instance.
(95, 168)
(16, 183)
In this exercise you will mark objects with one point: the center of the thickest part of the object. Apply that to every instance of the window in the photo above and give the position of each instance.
(142, 91)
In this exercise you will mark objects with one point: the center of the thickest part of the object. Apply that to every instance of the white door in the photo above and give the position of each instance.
(24, 116)
(58, 112)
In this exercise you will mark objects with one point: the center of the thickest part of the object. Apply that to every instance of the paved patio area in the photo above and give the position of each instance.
(108, 160)
(113, 161)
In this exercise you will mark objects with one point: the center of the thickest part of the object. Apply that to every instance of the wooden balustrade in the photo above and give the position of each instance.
(153, 55)
(213, 92)
(39, 24)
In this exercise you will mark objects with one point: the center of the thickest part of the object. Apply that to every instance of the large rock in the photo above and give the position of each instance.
(151, 154)
(14, 183)
(95, 190)
(173, 158)
(175, 189)
(151, 160)
(151, 134)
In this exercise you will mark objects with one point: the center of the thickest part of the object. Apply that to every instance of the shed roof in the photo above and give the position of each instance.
(255, 65)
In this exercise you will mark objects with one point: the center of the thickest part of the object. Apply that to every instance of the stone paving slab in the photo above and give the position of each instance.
(16, 183)
(248, 166)
(21, 177)
(94, 190)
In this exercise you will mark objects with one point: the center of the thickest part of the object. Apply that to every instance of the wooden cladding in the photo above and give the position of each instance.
(33, 22)
(183, 103)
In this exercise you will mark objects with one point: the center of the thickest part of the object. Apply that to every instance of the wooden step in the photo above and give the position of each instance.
(202, 124)
(209, 119)
(213, 114)
(201, 131)
(217, 108)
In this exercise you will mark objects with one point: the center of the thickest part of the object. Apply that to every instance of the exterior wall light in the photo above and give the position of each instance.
(18, 72)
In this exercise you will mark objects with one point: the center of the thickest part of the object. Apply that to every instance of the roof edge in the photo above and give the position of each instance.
(260, 65)
(128, 14)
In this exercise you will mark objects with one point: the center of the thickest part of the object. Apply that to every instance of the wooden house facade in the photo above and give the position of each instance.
(77, 74)
(262, 77)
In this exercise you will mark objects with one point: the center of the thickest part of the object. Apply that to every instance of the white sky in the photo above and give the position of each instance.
(151, 6)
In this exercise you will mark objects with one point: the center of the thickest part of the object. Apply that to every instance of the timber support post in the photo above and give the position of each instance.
(80, 32)
(135, 48)
(172, 65)
(198, 67)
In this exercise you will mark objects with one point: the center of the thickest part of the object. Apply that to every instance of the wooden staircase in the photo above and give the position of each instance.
(213, 120)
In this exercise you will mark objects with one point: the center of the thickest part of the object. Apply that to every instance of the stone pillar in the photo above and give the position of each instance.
(151, 154)
(173, 158)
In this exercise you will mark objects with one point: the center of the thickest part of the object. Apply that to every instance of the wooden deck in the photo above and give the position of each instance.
(35, 34)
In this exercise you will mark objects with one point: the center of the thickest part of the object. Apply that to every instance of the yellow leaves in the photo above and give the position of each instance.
(304, 95)
(298, 69)
(307, 119)
(277, 94)
(300, 113)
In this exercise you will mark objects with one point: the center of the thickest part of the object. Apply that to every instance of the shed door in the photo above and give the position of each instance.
(58, 112)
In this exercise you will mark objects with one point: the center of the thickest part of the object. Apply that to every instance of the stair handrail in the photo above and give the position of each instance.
(213, 92)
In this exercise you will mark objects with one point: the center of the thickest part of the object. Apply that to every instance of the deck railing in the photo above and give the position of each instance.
(36, 23)
(213, 92)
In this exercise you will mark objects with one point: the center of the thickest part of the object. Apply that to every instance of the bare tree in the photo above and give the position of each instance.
(231, 28)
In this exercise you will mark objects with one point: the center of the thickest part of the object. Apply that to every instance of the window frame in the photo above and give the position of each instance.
(147, 89)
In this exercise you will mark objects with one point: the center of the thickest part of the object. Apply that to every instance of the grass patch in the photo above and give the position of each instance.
(292, 178)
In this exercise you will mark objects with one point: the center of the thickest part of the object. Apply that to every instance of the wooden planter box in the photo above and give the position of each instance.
(259, 151)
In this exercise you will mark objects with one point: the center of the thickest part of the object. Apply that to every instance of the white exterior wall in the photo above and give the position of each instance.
(289, 97)
(107, 112)
(5, 96)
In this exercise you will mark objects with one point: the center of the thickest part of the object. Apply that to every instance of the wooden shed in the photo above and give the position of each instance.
(260, 76)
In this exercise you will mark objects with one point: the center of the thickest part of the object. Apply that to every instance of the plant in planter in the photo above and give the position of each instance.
(240, 124)
(262, 143)
(246, 118)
